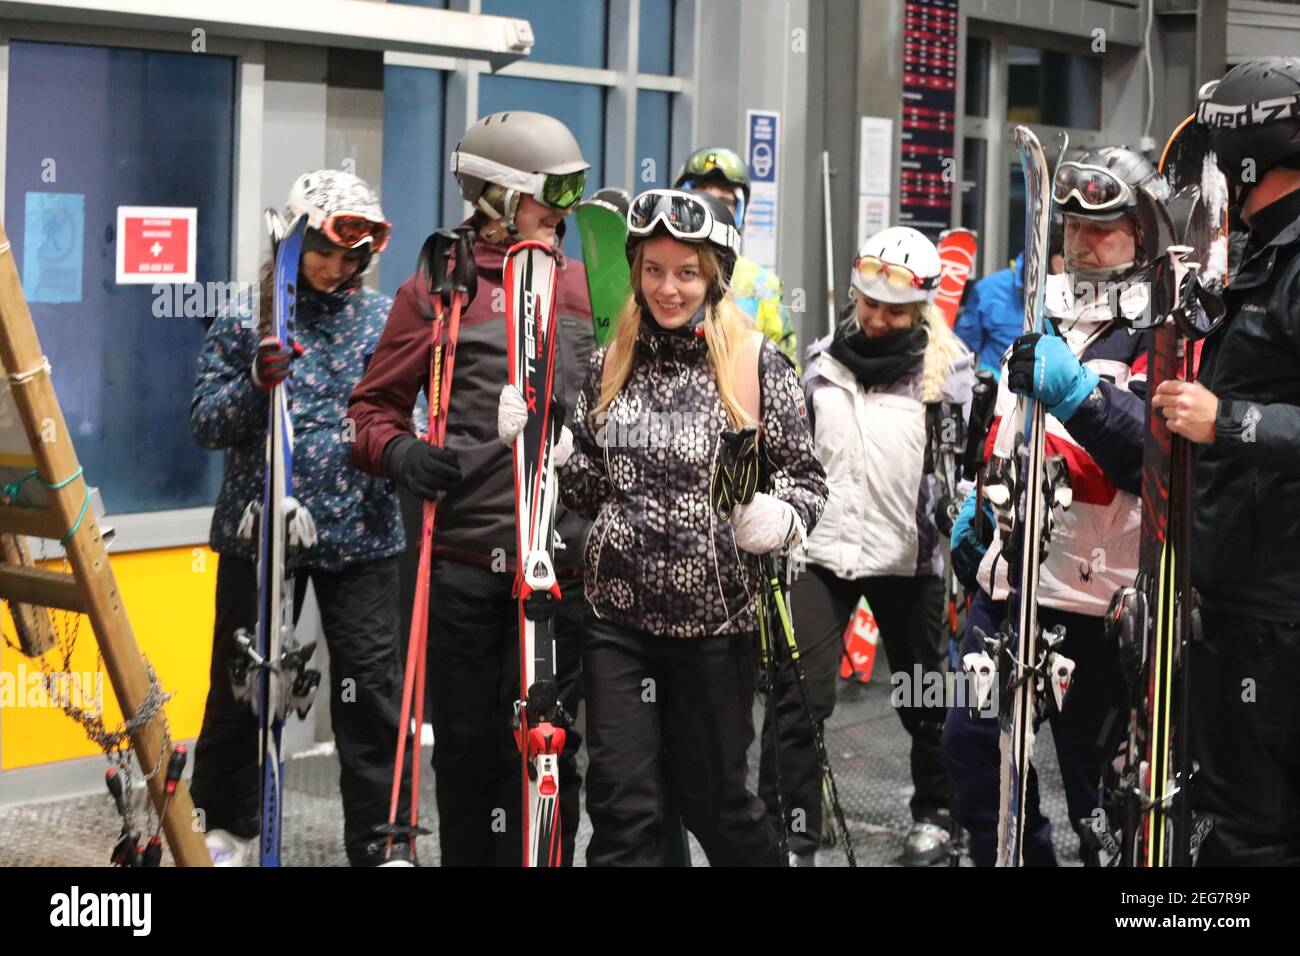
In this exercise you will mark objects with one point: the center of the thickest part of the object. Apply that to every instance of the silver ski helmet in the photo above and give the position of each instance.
(520, 154)
(717, 164)
(1107, 184)
(897, 265)
(1102, 183)
(1253, 115)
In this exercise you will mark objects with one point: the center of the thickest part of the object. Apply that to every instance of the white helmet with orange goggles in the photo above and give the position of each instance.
(897, 265)
(342, 207)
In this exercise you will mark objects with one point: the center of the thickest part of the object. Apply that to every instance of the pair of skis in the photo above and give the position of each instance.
(272, 674)
(450, 292)
(1152, 621)
(1024, 487)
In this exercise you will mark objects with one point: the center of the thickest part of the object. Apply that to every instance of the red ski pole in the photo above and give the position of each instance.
(462, 285)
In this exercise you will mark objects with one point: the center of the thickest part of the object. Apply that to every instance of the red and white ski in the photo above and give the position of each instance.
(540, 720)
(957, 249)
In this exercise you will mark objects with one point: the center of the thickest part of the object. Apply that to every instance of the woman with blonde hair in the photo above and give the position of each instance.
(874, 389)
(668, 665)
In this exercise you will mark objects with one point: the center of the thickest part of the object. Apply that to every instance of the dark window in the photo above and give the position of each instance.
(653, 120)
(977, 76)
(973, 186)
(1052, 88)
(121, 127)
(564, 31)
(415, 166)
(655, 49)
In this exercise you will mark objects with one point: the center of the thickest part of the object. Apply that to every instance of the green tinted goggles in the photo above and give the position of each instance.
(562, 190)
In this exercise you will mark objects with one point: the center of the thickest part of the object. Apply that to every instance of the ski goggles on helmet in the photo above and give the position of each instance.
(871, 268)
(714, 161)
(1093, 188)
(351, 230)
(684, 216)
(560, 191)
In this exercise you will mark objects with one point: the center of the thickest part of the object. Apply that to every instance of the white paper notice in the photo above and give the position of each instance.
(873, 216)
(876, 154)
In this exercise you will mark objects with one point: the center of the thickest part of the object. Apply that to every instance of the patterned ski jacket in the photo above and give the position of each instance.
(356, 515)
(657, 559)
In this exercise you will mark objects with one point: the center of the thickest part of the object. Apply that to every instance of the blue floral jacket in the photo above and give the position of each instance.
(356, 514)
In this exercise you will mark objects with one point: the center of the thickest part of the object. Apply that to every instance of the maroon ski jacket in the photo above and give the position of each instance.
(476, 521)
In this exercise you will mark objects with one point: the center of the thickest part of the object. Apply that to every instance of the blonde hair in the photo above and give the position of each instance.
(725, 328)
(941, 351)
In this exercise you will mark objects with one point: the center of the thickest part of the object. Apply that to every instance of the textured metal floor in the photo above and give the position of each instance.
(868, 748)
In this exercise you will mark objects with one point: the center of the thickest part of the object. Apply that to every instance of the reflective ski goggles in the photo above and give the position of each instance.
(719, 160)
(870, 268)
(560, 191)
(737, 195)
(350, 230)
(1094, 188)
(683, 215)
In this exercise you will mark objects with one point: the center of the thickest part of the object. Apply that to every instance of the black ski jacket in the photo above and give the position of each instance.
(1246, 530)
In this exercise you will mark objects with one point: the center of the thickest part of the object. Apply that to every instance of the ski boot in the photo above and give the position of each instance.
(929, 841)
(226, 849)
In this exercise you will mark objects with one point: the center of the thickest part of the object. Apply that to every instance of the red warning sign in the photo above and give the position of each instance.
(155, 244)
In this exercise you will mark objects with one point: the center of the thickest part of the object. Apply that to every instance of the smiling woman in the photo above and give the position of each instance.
(671, 583)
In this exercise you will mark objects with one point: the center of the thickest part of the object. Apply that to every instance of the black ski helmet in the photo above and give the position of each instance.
(1253, 114)
(727, 255)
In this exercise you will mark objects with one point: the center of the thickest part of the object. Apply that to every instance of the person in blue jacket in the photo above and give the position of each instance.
(993, 315)
(353, 564)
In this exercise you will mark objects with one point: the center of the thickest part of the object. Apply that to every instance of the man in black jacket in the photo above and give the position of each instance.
(1244, 415)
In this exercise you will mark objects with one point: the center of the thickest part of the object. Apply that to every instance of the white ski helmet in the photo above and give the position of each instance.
(340, 206)
(897, 265)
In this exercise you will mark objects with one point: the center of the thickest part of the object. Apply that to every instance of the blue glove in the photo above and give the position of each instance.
(1043, 367)
(968, 548)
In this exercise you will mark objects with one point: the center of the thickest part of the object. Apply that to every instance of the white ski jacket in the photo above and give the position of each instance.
(879, 517)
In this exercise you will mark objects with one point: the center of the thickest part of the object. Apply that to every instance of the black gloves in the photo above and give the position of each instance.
(421, 468)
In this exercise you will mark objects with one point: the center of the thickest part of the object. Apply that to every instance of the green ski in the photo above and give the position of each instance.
(602, 225)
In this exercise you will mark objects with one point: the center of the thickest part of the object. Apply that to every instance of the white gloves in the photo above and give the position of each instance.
(512, 416)
(767, 524)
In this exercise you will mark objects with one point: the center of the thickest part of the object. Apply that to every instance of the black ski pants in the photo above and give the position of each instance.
(1245, 716)
(909, 613)
(358, 609)
(1085, 733)
(473, 679)
(671, 716)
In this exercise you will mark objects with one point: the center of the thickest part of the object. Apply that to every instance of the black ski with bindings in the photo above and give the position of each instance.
(1152, 621)
(1024, 487)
